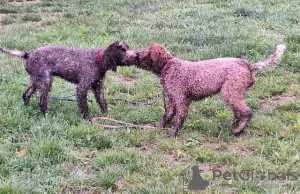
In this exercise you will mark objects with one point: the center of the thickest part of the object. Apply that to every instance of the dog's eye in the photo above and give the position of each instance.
(124, 49)
(119, 45)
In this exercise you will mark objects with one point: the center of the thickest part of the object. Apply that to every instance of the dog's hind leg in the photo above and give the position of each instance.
(29, 92)
(234, 97)
(235, 119)
(245, 115)
(43, 84)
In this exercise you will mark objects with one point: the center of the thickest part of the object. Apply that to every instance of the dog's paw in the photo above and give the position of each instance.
(44, 112)
(87, 118)
(171, 134)
(234, 122)
(88, 121)
(104, 110)
(157, 125)
(237, 132)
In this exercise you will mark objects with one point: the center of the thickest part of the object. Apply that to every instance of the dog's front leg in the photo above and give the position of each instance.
(82, 90)
(99, 95)
(182, 107)
(168, 115)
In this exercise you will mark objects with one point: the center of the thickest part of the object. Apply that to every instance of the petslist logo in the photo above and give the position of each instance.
(251, 175)
(198, 183)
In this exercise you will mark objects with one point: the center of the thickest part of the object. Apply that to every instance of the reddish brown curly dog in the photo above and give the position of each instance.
(185, 81)
(84, 67)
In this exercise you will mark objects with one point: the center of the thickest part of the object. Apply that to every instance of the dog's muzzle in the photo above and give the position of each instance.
(131, 55)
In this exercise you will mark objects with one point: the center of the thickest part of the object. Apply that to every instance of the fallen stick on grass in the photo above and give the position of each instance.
(123, 124)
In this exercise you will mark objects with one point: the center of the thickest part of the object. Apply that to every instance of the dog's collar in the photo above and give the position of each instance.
(100, 62)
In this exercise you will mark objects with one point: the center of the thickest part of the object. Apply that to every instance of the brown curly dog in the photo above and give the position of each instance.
(185, 81)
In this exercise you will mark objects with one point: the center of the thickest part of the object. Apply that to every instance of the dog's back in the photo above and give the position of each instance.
(206, 78)
(65, 62)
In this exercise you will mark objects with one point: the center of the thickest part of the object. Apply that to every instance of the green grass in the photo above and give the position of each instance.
(8, 9)
(65, 154)
(31, 18)
(9, 19)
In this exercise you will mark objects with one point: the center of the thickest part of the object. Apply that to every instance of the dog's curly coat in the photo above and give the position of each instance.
(78, 66)
(185, 81)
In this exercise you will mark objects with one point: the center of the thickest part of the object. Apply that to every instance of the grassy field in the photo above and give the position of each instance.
(60, 153)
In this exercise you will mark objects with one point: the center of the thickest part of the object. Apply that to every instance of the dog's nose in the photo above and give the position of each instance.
(132, 54)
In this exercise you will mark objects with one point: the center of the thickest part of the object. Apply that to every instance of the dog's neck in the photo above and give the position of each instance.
(158, 67)
(162, 65)
(100, 61)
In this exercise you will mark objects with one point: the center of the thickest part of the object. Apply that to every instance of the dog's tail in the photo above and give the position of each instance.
(272, 61)
(22, 54)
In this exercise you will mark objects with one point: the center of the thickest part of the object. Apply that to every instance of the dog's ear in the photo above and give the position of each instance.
(158, 55)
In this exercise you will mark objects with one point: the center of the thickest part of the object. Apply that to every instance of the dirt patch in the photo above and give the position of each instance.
(271, 103)
(1, 17)
(146, 150)
(20, 2)
(85, 191)
(175, 160)
(125, 80)
(84, 166)
(121, 185)
(83, 169)
(207, 168)
(238, 149)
